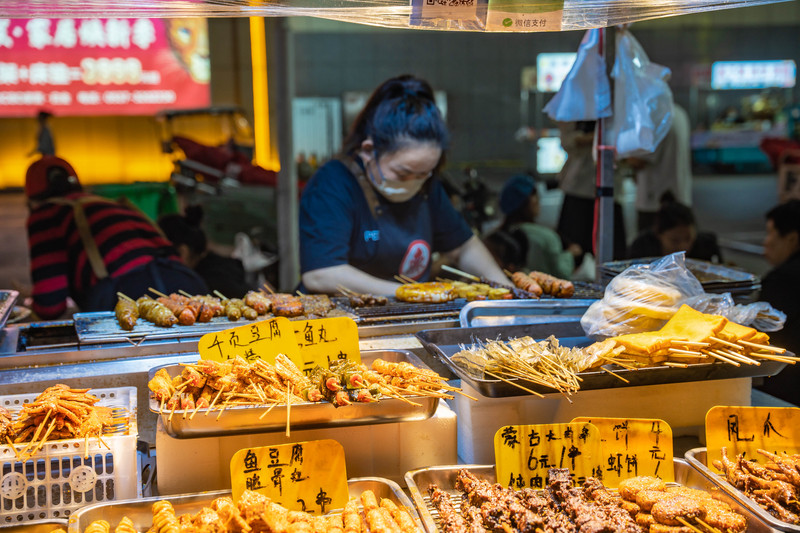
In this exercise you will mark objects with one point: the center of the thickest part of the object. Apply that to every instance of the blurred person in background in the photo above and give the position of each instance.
(379, 210)
(781, 288)
(45, 145)
(543, 251)
(220, 273)
(675, 230)
(577, 179)
(88, 248)
(669, 168)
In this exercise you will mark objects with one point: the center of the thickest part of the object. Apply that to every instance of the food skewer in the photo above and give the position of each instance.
(766, 347)
(157, 293)
(687, 524)
(461, 273)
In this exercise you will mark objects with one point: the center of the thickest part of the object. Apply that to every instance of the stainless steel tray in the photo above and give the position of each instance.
(516, 312)
(444, 477)
(35, 526)
(140, 510)
(102, 327)
(444, 343)
(708, 274)
(8, 299)
(697, 459)
(245, 419)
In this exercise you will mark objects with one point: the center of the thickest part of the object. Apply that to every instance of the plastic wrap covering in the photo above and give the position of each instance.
(457, 15)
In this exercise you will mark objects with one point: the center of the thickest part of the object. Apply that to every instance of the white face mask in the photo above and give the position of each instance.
(396, 191)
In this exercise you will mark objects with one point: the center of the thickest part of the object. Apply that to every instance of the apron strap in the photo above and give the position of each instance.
(82, 223)
(369, 192)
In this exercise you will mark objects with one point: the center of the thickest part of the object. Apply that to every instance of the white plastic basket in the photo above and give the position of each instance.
(63, 475)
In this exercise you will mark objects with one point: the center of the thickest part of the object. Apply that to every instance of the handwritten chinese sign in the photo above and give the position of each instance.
(633, 447)
(748, 429)
(304, 476)
(257, 340)
(524, 454)
(325, 340)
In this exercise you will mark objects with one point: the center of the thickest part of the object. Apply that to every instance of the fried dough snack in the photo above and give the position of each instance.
(429, 292)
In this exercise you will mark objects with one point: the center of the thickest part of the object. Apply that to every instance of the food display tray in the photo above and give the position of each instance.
(445, 477)
(697, 459)
(444, 343)
(8, 299)
(101, 327)
(243, 419)
(64, 475)
(710, 275)
(516, 312)
(35, 526)
(140, 510)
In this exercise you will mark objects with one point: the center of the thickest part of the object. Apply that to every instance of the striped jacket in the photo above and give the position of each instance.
(60, 266)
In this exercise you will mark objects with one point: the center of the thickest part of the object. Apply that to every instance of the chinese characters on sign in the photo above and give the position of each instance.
(524, 454)
(304, 476)
(324, 340)
(748, 429)
(633, 447)
(102, 66)
(260, 340)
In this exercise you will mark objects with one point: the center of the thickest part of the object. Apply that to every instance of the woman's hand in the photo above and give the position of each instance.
(328, 280)
(474, 258)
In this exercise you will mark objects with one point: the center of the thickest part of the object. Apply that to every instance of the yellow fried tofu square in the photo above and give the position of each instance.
(691, 325)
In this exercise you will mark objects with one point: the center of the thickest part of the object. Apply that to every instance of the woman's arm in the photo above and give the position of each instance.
(329, 279)
(473, 257)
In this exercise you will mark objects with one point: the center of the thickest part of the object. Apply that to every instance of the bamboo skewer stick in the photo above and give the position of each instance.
(779, 358)
(726, 343)
(461, 273)
(740, 357)
(766, 347)
(722, 358)
(125, 297)
(708, 526)
(222, 409)
(689, 343)
(288, 407)
(13, 447)
(211, 405)
(159, 293)
(685, 352)
(675, 364)
(687, 524)
(515, 384)
(614, 374)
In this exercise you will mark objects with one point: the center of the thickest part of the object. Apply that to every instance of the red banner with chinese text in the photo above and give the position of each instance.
(102, 66)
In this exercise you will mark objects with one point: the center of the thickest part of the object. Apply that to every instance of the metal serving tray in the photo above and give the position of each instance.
(8, 299)
(140, 510)
(708, 274)
(246, 419)
(35, 526)
(444, 343)
(445, 478)
(697, 459)
(102, 327)
(516, 312)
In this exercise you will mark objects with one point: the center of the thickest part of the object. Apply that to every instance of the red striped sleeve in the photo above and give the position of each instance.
(56, 283)
(134, 263)
(48, 259)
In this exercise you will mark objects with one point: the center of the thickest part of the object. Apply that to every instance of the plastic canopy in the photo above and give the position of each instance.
(456, 15)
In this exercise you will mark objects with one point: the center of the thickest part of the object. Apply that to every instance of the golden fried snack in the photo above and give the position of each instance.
(669, 510)
(721, 516)
(351, 518)
(628, 488)
(647, 498)
(630, 507)
(690, 493)
(429, 292)
(98, 526)
(645, 520)
(125, 526)
(661, 528)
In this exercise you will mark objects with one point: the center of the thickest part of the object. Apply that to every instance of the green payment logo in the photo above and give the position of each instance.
(507, 22)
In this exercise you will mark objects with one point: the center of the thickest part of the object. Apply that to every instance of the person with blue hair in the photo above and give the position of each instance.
(379, 210)
(542, 249)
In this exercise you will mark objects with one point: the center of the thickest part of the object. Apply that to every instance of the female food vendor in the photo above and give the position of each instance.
(378, 210)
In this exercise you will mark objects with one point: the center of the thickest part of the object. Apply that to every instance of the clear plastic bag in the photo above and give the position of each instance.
(585, 93)
(759, 315)
(642, 99)
(642, 298)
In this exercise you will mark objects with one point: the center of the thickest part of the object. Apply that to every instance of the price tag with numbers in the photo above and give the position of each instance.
(633, 447)
(524, 454)
(256, 340)
(325, 340)
(303, 476)
(749, 429)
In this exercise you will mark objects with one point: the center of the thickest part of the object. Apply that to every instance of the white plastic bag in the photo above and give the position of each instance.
(585, 93)
(759, 315)
(642, 298)
(642, 99)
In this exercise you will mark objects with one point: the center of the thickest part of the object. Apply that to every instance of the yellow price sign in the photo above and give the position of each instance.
(256, 340)
(524, 454)
(303, 476)
(633, 447)
(325, 340)
(749, 429)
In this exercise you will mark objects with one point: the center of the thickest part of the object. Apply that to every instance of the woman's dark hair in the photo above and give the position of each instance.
(185, 229)
(786, 217)
(672, 214)
(399, 110)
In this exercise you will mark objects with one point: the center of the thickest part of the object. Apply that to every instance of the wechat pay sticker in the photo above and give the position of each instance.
(507, 22)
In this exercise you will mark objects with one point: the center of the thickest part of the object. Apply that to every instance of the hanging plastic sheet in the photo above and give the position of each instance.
(642, 99)
(461, 15)
(586, 92)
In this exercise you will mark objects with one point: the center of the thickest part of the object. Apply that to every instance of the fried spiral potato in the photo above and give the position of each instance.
(98, 526)
(125, 526)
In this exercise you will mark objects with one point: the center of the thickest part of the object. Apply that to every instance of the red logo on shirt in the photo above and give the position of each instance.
(416, 260)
